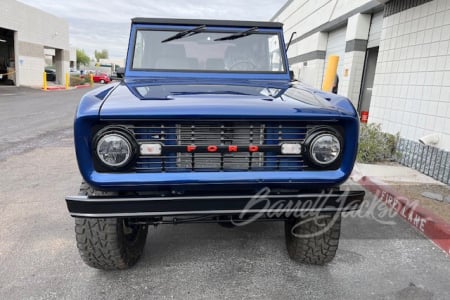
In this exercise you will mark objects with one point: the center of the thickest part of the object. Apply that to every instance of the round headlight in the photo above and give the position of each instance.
(114, 150)
(325, 149)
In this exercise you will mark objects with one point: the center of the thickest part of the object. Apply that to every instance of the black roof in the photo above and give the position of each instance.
(199, 22)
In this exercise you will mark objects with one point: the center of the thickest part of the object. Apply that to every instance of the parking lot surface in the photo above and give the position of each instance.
(39, 259)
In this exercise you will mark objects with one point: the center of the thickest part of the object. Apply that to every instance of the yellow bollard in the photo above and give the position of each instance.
(91, 77)
(44, 79)
(67, 80)
(330, 73)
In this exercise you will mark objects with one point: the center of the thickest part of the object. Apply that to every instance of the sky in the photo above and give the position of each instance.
(100, 24)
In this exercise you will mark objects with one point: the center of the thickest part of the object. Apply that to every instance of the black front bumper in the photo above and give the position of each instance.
(101, 207)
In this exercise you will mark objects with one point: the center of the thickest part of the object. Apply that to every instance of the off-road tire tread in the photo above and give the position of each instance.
(317, 249)
(101, 243)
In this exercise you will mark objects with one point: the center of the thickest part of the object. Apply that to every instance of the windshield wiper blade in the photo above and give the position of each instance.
(238, 35)
(185, 33)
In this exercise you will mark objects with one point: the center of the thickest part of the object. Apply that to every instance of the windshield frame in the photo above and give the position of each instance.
(132, 71)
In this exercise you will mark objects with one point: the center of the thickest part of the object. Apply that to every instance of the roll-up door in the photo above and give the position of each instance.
(375, 30)
(336, 46)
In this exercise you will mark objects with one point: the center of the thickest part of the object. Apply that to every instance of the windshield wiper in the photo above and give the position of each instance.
(185, 33)
(238, 35)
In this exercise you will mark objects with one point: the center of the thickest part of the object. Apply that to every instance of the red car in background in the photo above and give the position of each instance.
(101, 77)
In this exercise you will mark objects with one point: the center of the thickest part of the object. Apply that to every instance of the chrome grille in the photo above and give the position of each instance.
(211, 134)
(221, 134)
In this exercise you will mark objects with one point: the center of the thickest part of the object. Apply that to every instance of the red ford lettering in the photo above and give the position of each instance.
(253, 148)
(191, 148)
(232, 148)
(212, 148)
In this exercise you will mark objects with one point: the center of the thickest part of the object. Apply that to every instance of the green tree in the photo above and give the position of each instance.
(82, 58)
(101, 54)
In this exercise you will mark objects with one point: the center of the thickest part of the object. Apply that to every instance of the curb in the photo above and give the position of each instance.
(63, 88)
(426, 222)
(54, 88)
(82, 86)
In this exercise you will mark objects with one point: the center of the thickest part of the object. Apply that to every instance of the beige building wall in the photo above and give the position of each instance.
(34, 31)
(411, 93)
(303, 16)
(395, 67)
(316, 24)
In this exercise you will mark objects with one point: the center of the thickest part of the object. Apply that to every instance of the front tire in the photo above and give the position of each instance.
(109, 243)
(225, 222)
(314, 241)
(102, 81)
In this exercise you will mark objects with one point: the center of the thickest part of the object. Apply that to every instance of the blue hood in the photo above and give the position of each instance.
(150, 100)
(249, 99)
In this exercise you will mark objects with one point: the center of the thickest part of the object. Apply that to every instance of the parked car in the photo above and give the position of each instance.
(50, 74)
(101, 78)
(74, 72)
(3, 70)
(207, 126)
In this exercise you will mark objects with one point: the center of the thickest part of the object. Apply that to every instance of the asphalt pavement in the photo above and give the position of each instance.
(31, 118)
(379, 257)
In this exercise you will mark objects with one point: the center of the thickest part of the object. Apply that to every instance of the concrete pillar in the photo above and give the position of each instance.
(16, 59)
(29, 64)
(358, 27)
(61, 64)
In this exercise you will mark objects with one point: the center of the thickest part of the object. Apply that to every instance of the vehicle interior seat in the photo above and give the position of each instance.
(173, 57)
(215, 64)
(193, 63)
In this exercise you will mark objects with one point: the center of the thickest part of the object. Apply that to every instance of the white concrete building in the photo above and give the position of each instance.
(394, 59)
(25, 33)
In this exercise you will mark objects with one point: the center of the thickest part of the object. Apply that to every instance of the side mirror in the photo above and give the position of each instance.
(291, 75)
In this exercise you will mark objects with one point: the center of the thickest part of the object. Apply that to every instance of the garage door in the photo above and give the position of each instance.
(375, 30)
(336, 46)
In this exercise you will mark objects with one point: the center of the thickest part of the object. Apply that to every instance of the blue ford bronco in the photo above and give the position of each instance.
(207, 125)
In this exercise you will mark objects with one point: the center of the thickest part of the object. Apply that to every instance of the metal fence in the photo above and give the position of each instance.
(429, 160)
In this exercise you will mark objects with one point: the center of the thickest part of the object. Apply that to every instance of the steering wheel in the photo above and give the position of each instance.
(251, 65)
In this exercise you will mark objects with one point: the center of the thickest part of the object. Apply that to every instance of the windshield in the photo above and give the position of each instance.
(201, 50)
